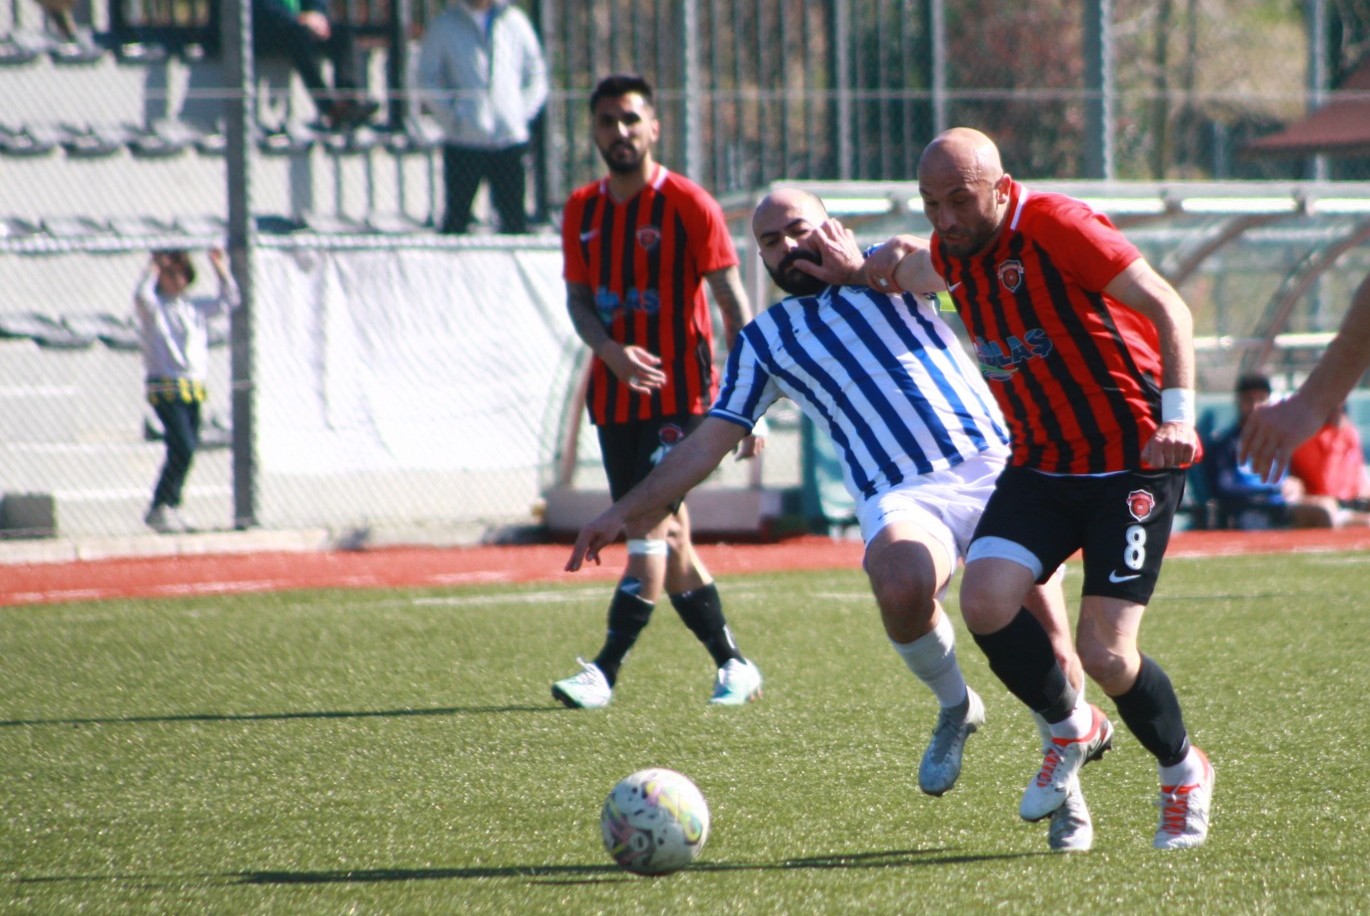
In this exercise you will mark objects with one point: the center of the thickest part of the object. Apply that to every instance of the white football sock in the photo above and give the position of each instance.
(1044, 729)
(1078, 723)
(1185, 773)
(932, 659)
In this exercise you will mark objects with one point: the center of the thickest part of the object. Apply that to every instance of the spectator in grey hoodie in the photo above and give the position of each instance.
(483, 77)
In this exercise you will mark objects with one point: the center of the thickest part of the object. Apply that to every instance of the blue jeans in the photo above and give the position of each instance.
(181, 427)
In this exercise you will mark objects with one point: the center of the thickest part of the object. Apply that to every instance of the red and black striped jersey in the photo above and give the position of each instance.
(645, 259)
(1077, 374)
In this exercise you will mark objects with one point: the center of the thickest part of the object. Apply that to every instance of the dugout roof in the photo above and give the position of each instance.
(1339, 128)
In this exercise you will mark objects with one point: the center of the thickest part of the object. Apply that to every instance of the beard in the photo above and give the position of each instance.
(964, 244)
(621, 158)
(796, 282)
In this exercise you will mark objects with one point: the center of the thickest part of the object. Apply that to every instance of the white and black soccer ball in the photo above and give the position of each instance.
(654, 822)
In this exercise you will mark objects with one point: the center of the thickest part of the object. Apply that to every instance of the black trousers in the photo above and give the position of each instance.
(463, 169)
(279, 36)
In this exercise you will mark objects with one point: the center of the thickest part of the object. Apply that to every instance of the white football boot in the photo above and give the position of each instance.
(587, 690)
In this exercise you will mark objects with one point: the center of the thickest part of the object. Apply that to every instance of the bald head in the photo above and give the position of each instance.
(965, 190)
(964, 151)
(785, 205)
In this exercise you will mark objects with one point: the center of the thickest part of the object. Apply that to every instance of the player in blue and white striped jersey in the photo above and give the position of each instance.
(884, 376)
(921, 444)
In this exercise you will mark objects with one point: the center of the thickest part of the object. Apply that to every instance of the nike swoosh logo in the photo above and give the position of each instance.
(1114, 577)
(954, 287)
(586, 236)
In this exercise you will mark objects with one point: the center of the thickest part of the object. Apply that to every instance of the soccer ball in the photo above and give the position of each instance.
(654, 822)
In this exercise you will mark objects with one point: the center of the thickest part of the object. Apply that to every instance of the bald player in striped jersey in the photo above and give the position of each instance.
(1090, 354)
(921, 444)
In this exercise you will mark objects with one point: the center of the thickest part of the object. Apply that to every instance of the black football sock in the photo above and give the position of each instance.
(702, 611)
(1020, 655)
(628, 615)
(1151, 711)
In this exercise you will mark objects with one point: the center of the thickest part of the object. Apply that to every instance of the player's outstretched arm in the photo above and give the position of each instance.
(1272, 432)
(684, 466)
(1175, 442)
(731, 297)
(902, 264)
(735, 307)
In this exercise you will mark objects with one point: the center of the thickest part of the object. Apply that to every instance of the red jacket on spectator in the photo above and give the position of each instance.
(1332, 462)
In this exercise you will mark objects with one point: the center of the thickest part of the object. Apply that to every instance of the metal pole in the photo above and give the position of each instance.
(240, 107)
(690, 80)
(1316, 12)
(1099, 89)
(938, 17)
(845, 124)
(397, 62)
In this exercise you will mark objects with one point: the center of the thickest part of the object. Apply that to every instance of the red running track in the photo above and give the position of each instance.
(45, 583)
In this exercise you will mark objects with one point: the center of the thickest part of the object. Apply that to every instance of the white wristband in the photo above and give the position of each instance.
(1177, 404)
(759, 428)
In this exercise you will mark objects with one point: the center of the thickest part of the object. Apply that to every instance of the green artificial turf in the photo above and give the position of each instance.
(399, 752)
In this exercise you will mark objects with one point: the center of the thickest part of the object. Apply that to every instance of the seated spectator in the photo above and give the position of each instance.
(58, 14)
(1330, 470)
(301, 31)
(1244, 500)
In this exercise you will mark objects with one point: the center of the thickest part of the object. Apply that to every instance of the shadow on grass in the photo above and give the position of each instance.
(572, 874)
(283, 716)
(542, 874)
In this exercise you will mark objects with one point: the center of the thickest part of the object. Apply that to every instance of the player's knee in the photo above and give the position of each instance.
(676, 535)
(1110, 668)
(903, 594)
(981, 607)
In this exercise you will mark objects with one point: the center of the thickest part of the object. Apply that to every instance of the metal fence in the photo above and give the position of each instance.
(117, 148)
(754, 91)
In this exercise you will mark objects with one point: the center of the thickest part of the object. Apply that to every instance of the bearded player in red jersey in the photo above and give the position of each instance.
(1089, 353)
(639, 245)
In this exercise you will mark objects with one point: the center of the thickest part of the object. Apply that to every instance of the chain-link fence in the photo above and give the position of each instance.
(408, 381)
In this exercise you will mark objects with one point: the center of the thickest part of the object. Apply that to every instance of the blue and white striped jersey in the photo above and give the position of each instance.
(884, 375)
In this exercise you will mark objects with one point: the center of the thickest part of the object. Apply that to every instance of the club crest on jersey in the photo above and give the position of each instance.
(1140, 504)
(1011, 275)
(648, 237)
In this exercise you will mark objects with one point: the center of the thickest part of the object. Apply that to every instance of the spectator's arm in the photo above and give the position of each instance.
(271, 13)
(535, 87)
(145, 293)
(432, 79)
(229, 295)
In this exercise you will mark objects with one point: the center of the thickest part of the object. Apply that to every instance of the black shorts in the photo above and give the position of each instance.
(631, 450)
(1121, 522)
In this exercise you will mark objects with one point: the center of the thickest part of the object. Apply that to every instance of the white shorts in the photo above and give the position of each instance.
(947, 504)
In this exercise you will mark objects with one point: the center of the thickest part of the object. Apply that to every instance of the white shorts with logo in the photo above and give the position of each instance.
(946, 504)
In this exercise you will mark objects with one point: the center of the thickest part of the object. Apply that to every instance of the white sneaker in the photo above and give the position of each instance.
(1061, 765)
(182, 523)
(587, 690)
(1071, 829)
(1185, 809)
(737, 684)
(941, 764)
(163, 520)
